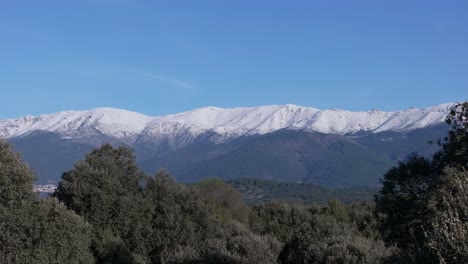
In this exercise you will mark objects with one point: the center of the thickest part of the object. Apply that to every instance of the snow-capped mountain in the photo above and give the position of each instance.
(271, 142)
(225, 123)
(116, 123)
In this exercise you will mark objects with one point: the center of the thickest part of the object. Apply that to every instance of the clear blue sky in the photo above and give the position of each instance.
(160, 57)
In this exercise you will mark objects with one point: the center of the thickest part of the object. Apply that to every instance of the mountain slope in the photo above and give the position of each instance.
(116, 123)
(295, 156)
(131, 127)
(333, 148)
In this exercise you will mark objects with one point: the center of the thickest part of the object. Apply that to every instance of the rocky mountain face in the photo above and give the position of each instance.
(334, 148)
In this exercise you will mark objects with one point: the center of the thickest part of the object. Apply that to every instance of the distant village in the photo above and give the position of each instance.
(47, 188)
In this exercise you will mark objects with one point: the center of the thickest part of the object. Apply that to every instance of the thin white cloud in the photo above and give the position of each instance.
(105, 70)
(158, 77)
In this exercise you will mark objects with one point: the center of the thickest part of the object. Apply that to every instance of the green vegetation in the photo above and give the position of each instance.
(107, 210)
(257, 191)
(34, 230)
(422, 206)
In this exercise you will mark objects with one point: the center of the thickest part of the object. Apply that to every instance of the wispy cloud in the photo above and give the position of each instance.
(104, 70)
(179, 83)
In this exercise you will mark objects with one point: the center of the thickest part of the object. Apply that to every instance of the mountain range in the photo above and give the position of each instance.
(333, 148)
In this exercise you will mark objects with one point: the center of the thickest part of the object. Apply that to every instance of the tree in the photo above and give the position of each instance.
(447, 234)
(279, 219)
(326, 240)
(419, 195)
(337, 210)
(330, 233)
(226, 202)
(362, 215)
(238, 245)
(140, 219)
(187, 229)
(106, 176)
(106, 189)
(180, 221)
(401, 202)
(454, 151)
(16, 178)
(35, 230)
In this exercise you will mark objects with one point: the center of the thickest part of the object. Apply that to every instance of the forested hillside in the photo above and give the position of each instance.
(258, 191)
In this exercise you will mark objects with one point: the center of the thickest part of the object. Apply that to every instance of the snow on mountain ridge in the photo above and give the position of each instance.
(109, 121)
(228, 123)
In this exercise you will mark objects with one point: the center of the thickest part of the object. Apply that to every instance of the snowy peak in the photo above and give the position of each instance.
(227, 123)
(108, 121)
(414, 118)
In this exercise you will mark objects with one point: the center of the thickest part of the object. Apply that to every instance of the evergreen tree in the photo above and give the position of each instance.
(279, 219)
(15, 177)
(226, 202)
(34, 230)
(401, 204)
(447, 232)
(325, 240)
(187, 229)
(106, 189)
(454, 151)
(422, 205)
(180, 221)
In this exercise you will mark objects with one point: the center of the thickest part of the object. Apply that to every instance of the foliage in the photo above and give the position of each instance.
(337, 210)
(362, 215)
(236, 245)
(105, 189)
(106, 176)
(34, 230)
(447, 235)
(454, 151)
(278, 219)
(43, 232)
(140, 219)
(257, 191)
(179, 219)
(401, 199)
(185, 229)
(227, 202)
(15, 177)
(422, 205)
(327, 240)
(331, 233)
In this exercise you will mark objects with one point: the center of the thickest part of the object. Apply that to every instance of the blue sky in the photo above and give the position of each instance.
(160, 57)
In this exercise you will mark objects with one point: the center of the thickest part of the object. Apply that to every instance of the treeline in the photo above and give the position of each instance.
(260, 191)
(106, 210)
(423, 205)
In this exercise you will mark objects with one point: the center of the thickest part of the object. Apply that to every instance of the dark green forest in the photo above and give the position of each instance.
(258, 191)
(107, 210)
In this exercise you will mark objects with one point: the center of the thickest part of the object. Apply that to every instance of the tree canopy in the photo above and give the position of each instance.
(422, 205)
(36, 230)
(16, 178)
